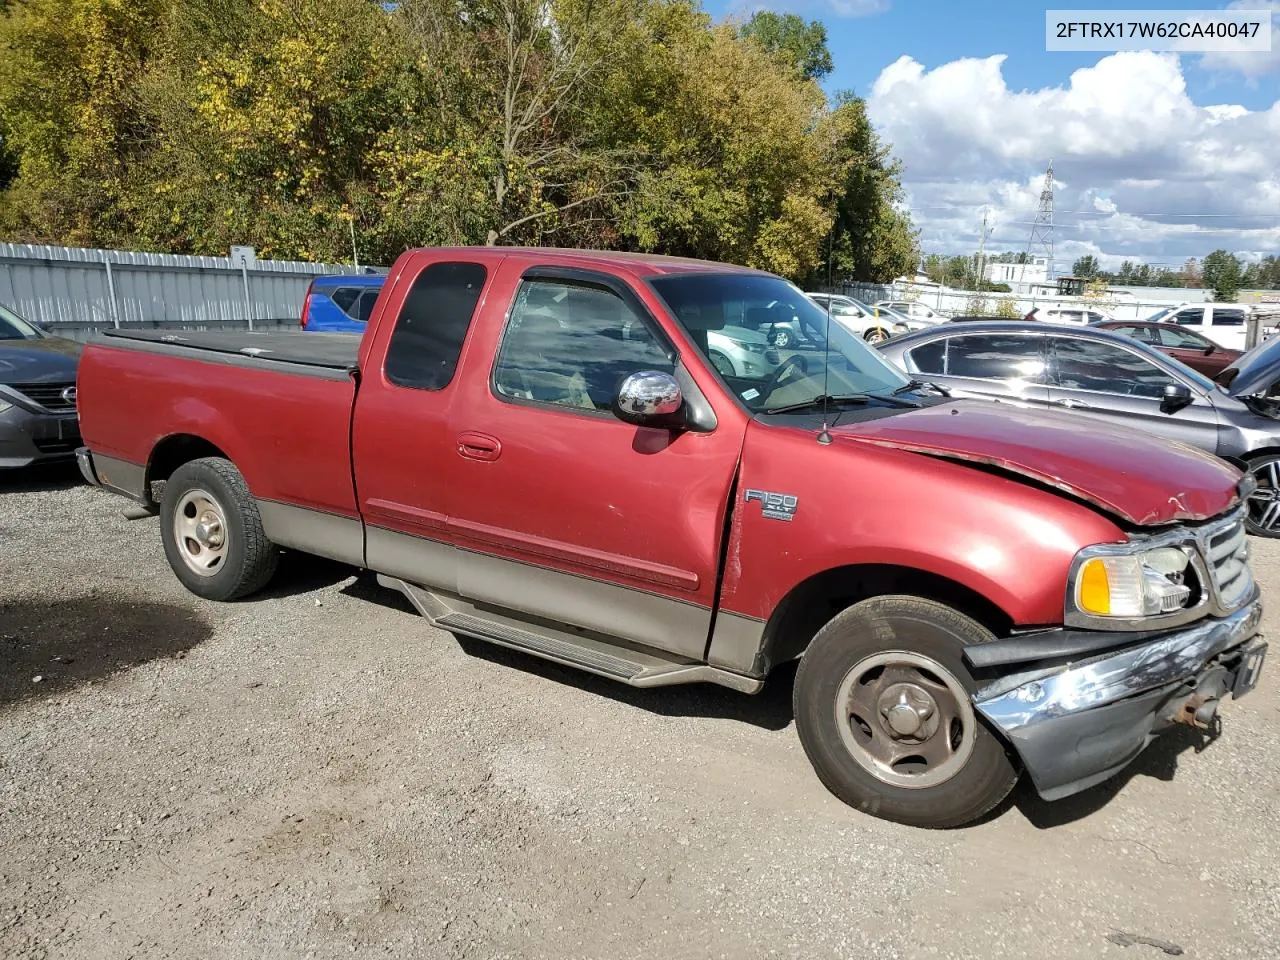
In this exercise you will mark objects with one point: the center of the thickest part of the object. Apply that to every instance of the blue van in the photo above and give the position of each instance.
(340, 303)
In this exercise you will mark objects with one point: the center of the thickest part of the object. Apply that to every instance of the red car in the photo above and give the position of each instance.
(1197, 352)
(535, 447)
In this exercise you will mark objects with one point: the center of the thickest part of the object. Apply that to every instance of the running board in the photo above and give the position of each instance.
(632, 666)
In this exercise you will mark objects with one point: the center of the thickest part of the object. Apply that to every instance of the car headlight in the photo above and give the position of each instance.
(753, 347)
(1111, 584)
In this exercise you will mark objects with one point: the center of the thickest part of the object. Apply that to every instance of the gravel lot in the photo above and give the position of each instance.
(315, 773)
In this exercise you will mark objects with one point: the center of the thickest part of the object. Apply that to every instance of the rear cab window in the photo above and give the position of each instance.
(427, 339)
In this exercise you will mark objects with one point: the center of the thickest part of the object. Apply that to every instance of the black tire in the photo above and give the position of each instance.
(723, 364)
(1262, 505)
(250, 558)
(923, 628)
(782, 338)
(875, 335)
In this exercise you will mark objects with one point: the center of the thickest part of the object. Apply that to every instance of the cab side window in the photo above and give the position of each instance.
(427, 339)
(571, 345)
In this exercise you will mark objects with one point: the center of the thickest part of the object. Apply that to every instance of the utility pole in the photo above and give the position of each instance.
(982, 249)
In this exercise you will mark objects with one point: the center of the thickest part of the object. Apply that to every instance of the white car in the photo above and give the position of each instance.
(914, 310)
(872, 324)
(1223, 323)
(1077, 316)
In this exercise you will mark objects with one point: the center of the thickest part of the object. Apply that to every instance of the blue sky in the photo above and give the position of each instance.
(1131, 134)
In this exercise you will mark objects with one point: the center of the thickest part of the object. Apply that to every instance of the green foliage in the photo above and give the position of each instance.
(634, 124)
(1086, 267)
(1007, 309)
(1222, 274)
(799, 45)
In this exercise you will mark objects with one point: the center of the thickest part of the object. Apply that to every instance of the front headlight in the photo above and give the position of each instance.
(753, 347)
(1137, 585)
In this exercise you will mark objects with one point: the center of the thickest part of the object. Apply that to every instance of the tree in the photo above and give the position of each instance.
(801, 46)
(1191, 276)
(871, 238)
(1086, 267)
(291, 124)
(1222, 274)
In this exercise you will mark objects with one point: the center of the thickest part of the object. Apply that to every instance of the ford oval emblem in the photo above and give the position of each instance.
(69, 395)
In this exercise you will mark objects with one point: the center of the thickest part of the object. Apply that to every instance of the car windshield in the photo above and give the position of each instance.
(13, 327)
(1158, 315)
(844, 366)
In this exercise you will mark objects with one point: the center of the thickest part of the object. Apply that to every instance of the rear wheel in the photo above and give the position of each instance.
(212, 533)
(876, 335)
(1262, 517)
(883, 708)
(782, 338)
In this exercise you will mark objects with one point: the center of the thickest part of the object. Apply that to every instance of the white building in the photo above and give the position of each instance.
(1035, 270)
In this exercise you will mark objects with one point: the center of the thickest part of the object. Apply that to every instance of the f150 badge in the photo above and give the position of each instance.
(774, 506)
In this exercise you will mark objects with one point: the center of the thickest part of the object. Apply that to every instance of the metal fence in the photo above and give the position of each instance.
(74, 290)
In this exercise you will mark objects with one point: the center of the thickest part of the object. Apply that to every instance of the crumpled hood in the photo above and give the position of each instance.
(1142, 479)
(35, 361)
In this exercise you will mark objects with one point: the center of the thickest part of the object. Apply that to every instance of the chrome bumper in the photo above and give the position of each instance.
(1077, 725)
(84, 460)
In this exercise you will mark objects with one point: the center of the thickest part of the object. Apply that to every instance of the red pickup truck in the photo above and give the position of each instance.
(534, 446)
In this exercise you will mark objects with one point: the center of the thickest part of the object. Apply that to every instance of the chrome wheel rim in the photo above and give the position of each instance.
(905, 719)
(200, 531)
(1264, 502)
(877, 336)
(782, 339)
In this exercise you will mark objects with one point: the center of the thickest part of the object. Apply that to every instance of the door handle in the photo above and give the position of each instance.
(479, 446)
(1070, 403)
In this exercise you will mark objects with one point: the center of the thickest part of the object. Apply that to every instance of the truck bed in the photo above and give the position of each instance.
(332, 351)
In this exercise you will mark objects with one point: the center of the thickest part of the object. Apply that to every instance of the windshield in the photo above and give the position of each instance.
(1158, 315)
(13, 327)
(801, 372)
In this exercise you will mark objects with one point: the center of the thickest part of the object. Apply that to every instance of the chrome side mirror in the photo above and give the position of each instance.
(650, 398)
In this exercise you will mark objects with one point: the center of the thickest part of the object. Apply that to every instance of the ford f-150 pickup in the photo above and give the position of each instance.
(535, 448)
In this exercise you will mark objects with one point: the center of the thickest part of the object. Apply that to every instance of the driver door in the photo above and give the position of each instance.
(1116, 385)
(565, 513)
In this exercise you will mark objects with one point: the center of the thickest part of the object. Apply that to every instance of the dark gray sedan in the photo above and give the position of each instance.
(37, 394)
(1115, 380)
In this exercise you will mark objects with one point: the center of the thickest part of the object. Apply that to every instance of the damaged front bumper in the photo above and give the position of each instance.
(1078, 724)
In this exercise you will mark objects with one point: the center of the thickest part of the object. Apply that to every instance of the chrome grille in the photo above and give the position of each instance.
(48, 395)
(1226, 550)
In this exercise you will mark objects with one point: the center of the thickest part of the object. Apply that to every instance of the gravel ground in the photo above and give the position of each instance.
(316, 773)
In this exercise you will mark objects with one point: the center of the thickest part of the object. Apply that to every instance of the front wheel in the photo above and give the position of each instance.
(1262, 517)
(212, 532)
(722, 364)
(884, 711)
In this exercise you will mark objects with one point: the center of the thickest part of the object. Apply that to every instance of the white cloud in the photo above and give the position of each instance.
(1252, 65)
(1126, 141)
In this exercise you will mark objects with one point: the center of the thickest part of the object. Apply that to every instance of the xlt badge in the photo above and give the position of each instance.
(774, 506)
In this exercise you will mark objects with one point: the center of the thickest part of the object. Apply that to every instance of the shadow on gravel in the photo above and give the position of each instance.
(41, 478)
(74, 641)
(1159, 760)
(769, 709)
(301, 573)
